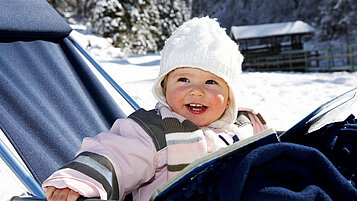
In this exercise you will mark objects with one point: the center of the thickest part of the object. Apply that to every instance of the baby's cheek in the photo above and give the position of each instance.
(219, 102)
(173, 98)
(219, 99)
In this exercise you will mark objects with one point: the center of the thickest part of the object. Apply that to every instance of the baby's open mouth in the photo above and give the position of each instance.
(196, 107)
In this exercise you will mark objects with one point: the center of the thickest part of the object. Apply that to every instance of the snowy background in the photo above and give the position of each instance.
(141, 26)
(283, 98)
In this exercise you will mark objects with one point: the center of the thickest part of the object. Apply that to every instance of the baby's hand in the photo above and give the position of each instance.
(66, 194)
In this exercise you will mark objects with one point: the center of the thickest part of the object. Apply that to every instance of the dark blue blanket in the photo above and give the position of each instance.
(338, 142)
(281, 171)
(285, 171)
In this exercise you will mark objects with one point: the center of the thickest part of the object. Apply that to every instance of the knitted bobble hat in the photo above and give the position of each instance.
(201, 43)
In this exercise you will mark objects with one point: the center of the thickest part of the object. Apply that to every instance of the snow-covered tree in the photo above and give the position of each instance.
(136, 26)
(337, 18)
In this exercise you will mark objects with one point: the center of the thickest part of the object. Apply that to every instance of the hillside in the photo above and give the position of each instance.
(141, 26)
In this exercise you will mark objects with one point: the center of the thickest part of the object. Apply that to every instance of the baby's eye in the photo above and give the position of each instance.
(183, 79)
(211, 82)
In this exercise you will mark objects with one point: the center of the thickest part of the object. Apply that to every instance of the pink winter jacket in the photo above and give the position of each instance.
(139, 167)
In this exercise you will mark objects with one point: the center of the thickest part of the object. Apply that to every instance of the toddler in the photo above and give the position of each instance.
(195, 115)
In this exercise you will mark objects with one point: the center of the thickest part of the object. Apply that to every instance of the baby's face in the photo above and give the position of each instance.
(197, 95)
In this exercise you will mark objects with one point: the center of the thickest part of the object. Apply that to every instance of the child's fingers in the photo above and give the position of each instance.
(49, 192)
(73, 196)
(55, 194)
(60, 195)
(63, 195)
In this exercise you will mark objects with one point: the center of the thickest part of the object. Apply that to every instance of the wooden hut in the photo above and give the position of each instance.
(275, 46)
(271, 38)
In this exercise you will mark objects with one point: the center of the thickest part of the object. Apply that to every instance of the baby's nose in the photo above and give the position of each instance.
(197, 91)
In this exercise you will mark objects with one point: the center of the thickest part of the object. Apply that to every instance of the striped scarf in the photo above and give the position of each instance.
(186, 142)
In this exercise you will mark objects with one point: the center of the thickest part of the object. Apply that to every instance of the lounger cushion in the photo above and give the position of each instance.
(29, 19)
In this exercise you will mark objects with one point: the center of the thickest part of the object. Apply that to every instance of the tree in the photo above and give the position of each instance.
(337, 19)
(135, 26)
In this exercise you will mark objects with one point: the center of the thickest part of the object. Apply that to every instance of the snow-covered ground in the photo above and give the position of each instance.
(283, 98)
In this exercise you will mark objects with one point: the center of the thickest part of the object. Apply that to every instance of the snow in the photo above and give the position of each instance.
(283, 98)
(272, 29)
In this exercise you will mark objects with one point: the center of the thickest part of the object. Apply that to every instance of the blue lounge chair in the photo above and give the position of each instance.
(49, 97)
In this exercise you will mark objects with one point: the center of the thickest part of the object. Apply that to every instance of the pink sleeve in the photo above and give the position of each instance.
(77, 181)
(129, 149)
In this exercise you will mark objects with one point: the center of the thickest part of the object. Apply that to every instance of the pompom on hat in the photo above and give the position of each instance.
(201, 43)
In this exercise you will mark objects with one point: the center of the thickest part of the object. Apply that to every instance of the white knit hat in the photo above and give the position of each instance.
(202, 43)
